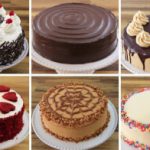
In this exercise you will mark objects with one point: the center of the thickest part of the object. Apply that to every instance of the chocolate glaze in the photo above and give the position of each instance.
(75, 33)
(129, 43)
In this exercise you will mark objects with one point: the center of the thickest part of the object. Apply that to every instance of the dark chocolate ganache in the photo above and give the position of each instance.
(75, 33)
(130, 43)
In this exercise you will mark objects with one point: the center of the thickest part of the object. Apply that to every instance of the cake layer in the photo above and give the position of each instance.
(79, 133)
(138, 56)
(11, 126)
(75, 33)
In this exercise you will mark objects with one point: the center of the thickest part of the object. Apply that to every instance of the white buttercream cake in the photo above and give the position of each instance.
(135, 124)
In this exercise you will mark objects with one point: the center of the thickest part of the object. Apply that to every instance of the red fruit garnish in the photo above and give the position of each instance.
(9, 21)
(6, 107)
(11, 13)
(4, 88)
(11, 96)
(1, 5)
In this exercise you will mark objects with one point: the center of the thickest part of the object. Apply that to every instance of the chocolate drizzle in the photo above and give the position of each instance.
(10, 51)
(132, 48)
(75, 33)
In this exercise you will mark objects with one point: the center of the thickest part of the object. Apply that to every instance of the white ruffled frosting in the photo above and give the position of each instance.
(18, 105)
(2, 11)
(11, 30)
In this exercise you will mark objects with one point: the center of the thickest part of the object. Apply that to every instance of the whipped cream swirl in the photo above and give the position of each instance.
(134, 28)
(140, 18)
(143, 39)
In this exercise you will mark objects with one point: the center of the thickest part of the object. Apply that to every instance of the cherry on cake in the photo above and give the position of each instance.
(135, 122)
(11, 113)
(136, 41)
(11, 36)
(74, 112)
(75, 33)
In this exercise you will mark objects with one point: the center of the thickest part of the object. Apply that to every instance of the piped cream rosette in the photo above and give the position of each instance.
(135, 28)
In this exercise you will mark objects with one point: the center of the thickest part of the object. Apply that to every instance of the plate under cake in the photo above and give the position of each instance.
(11, 37)
(74, 112)
(136, 43)
(11, 113)
(75, 33)
(135, 120)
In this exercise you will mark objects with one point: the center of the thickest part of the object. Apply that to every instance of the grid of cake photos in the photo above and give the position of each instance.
(75, 74)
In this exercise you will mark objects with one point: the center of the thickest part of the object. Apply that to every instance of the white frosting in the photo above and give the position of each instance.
(2, 11)
(18, 105)
(135, 134)
(138, 107)
(12, 30)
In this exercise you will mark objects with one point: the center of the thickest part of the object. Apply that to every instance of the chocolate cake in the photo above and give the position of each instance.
(11, 37)
(74, 112)
(136, 41)
(75, 33)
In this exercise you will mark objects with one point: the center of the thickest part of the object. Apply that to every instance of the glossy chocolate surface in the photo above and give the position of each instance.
(75, 33)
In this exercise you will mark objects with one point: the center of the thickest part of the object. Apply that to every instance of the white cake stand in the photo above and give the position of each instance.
(130, 67)
(52, 141)
(19, 59)
(19, 137)
(76, 68)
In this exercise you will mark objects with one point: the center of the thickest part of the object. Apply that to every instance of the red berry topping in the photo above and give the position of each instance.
(11, 13)
(4, 88)
(1, 5)
(9, 21)
(11, 96)
(6, 107)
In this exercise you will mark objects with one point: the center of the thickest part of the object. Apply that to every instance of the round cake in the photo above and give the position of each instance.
(74, 112)
(11, 37)
(135, 124)
(11, 113)
(136, 41)
(75, 33)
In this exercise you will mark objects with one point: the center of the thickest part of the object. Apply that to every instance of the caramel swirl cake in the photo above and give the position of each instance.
(74, 112)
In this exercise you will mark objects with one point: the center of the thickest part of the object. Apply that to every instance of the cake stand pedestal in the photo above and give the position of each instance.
(87, 68)
(52, 141)
(130, 67)
(19, 59)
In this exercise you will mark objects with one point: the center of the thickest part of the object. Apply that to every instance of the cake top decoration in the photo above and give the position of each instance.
(136, 28)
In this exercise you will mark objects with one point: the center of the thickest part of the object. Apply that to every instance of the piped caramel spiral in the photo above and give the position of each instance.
(140, 18)
(134, 28)
(143, 39)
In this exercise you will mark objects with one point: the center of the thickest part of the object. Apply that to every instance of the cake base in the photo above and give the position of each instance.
(130, 67)
(76, 68)
(19, 137)
(54, 142)
(19, 59)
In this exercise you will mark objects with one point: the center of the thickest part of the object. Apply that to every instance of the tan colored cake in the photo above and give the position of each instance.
(74, 112)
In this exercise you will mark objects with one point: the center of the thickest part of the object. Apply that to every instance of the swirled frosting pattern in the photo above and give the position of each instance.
(140, 18)
(75, 101)
(134, 28)
(75, 24)
(143, 39)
